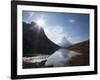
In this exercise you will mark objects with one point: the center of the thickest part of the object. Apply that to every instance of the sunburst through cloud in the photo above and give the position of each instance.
(56, 28)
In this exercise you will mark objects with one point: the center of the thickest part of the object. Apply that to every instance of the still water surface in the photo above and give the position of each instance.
(61, 57)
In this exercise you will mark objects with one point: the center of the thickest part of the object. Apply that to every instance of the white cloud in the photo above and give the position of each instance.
(55, 34)
(72, 20)
(31, 14)
(28, 16)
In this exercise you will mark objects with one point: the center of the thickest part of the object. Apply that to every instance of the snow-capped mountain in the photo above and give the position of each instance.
(65, 43)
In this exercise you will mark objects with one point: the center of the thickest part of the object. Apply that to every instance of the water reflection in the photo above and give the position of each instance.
(61, 57)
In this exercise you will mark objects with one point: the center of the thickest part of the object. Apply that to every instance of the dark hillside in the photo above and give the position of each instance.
(35, 40)
(83, 49)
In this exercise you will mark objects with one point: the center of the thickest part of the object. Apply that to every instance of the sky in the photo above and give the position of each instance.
(73, 27)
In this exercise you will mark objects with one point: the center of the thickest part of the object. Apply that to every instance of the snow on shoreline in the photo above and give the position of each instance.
(35, 58)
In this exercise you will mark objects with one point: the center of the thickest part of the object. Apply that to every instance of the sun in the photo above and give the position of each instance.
(41, 22)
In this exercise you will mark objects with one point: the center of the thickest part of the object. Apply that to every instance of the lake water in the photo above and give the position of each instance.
(61, 57)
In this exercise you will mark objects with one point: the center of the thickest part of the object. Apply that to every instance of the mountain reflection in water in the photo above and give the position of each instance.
(60, 57)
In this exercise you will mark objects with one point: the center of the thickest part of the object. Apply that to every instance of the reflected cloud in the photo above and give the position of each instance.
(60, 58)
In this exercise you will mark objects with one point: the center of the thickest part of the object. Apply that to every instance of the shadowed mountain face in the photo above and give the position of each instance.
(80, 47)
(83, 48)
(35, 40)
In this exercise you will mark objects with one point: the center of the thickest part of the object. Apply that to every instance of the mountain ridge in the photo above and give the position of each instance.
(35, 40)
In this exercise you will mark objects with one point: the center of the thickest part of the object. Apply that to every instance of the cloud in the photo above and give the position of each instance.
(72, 21)
(60, 58)
(31, 14)
(55, 34)
(28, 16)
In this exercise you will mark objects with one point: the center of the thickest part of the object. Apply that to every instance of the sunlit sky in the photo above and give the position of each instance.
(58, 26)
